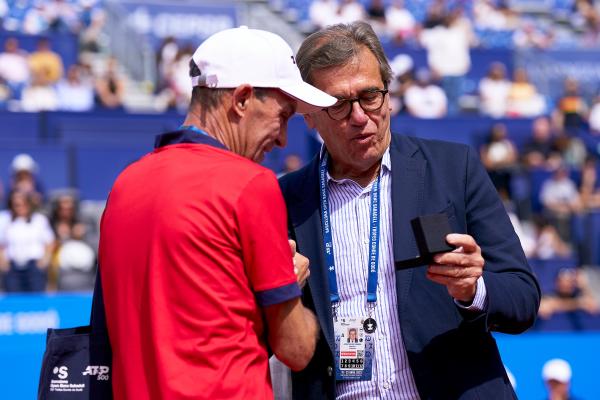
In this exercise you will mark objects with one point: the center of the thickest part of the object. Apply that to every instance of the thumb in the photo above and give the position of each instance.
(292, 246)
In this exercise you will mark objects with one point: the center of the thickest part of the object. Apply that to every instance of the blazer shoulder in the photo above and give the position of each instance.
(431, 149)
(294, 184)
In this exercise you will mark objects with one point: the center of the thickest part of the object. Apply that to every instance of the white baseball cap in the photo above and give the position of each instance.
(238, 56)
(23, 162)
(557, 370)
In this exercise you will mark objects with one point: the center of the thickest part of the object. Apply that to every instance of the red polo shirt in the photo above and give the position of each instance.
(193, 244)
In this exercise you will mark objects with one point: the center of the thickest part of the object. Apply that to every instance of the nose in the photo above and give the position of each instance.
(358, 115)
(281, 140)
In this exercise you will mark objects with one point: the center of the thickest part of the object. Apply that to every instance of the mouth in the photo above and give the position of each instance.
(363, 138)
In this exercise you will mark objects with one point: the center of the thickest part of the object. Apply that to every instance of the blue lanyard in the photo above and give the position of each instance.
(328, 238)
(192, 128)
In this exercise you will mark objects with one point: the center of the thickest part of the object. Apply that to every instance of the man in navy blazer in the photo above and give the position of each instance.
(434, 322)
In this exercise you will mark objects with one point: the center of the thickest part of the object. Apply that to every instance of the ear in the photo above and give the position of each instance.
(240, 99)
(310, 122)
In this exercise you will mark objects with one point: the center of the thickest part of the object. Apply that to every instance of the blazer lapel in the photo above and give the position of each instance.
(306, 220)
(408, 180)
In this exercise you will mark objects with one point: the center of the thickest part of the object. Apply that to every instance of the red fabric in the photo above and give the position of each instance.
(190, 233)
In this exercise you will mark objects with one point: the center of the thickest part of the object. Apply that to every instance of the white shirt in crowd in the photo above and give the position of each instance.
(494, 96)
(25, 240)
(426, 101)
(447, 50)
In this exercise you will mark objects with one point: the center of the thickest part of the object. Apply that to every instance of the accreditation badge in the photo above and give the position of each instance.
(354, 349)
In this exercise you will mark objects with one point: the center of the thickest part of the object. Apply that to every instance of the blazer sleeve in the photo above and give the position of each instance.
(512, 289)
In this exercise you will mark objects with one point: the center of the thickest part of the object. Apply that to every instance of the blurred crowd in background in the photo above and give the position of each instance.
(47, 244)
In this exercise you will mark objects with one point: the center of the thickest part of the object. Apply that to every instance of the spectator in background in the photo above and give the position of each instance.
(25, 245)
(423, 99)
(35, 21)
(571, 148)
(556, 374)
(74, 93)
(448, 56)
(589, 189)
(14, 68)
(39, 95)
(350, 11)
(67, 222)
(74, 257)
(530, 35)
(45, 64)
(177, 79)
(24, 179)
(291, 163)
(561, 200)
(547, 241)
(165, 56)
(435, 15)
(537, 151)
(402, 69)
(92, 18)
(488, 15)
(571, 110)
(494, 89)
(499, 157)
(572, 293)
(62, 16)
(110, 87)
(523, 98)
(401, 24)
(594, 117)
(376, 16)
(322, 12)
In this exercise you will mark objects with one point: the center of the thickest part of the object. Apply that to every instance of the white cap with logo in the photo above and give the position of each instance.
(262, 59)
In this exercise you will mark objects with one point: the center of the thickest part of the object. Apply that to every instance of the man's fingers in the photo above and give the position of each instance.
(467, 242)
(292, 246)
(459, 260)
(454, 272)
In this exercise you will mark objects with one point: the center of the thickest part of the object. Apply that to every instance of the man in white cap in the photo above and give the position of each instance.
(557, 377)
(196, 268)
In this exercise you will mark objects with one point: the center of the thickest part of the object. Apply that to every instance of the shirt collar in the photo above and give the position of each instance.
(386, 162)
(186, 136)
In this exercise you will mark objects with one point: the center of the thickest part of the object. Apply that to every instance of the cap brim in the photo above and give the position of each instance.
(310, 99)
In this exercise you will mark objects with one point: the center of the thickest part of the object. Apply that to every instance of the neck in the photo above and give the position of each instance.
(215, 123)
(361, 176)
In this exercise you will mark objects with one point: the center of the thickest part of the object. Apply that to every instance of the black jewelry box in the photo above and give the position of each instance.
(430, 234)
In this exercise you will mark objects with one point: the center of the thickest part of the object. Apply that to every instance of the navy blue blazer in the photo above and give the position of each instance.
(452, 353)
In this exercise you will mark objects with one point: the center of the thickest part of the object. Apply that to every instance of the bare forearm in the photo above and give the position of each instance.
(293, 332)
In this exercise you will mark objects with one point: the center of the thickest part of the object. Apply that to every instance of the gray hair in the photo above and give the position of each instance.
(337, 45)
(209, 98)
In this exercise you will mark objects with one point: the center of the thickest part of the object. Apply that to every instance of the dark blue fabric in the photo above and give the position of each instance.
(186, 136)
(25, 278)
(85, 349)
(452, 353)
(278, 295)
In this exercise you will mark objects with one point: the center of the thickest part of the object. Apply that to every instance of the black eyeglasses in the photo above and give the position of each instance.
(369, 100)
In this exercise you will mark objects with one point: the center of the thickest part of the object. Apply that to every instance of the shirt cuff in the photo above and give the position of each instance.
(479, 302)
(278, 295)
